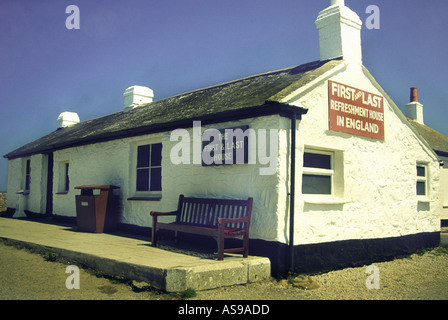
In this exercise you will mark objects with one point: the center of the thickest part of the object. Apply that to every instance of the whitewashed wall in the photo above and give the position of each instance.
(232, 181)
(377, 197)
(112, 163)
(15, 174)
(35, 200)
(444, 188)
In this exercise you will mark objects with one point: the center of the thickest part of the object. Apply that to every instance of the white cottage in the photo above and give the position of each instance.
(336, 171)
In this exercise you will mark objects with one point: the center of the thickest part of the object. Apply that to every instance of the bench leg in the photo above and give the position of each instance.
(154, 238)
(154, 234)
(220, 242)
(246, 246)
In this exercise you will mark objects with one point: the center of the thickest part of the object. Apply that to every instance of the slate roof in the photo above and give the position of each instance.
(248, 97)
(437, 141)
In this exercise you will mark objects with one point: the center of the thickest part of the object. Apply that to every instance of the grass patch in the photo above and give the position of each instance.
(50, 256)
(439, 251)
(189, 293)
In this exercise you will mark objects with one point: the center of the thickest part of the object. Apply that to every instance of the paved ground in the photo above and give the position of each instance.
(29, 276)
(135, 258)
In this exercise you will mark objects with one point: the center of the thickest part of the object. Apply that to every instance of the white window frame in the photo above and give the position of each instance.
(62, 177)
(336, 174)
(26, 176)
(321, 172)
(141, 195)
(422, 179)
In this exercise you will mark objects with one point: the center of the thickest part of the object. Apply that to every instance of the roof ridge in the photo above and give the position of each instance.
(298, 67)
(225, 83)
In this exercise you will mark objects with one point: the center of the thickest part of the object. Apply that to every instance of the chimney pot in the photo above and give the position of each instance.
(414, 95)
(414, 109)
(67, 119)
(137, 95)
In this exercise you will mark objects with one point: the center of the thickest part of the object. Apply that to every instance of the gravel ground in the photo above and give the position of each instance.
(418, 277)
(28, 276)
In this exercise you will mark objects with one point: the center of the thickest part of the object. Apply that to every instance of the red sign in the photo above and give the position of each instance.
(355, 111)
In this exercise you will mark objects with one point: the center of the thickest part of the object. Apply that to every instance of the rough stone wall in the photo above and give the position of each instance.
(113, 163)
(444, 188)
(35, 200)
(377, 194)
(14, 181)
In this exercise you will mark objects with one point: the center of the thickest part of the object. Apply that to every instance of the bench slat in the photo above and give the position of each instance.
(205, 212)
(196, 213)
(201, 215)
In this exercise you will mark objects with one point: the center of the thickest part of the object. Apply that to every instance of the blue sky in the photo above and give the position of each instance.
(174, 46)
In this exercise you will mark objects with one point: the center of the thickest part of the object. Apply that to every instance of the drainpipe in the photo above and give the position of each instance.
(292, 190)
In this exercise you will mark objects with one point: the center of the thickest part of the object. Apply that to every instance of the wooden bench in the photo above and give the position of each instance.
(218, 218)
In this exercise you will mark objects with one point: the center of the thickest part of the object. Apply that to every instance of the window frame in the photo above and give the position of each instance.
(313, 171)
(67, 177)
(63, 180)
(27, 175)
(424, 179)
(144, 194)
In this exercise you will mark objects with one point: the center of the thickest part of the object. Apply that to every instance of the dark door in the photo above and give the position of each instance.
(49, 206)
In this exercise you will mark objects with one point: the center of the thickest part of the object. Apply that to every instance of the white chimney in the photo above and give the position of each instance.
(414, 109)
(339, 33)
(135, 96)
(67, 119)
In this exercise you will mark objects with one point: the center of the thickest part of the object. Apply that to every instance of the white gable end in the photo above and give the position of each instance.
(373, 181)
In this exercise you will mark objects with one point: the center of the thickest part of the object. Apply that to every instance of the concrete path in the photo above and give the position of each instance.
(135, 259)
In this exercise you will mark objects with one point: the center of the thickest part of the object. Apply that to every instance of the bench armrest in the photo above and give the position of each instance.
(224, 221)
(158, 214)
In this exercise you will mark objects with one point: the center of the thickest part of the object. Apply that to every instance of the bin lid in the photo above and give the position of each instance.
(99, 186)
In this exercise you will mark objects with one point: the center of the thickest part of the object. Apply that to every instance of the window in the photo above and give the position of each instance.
(63, 178)
(422, 180)
(318, 172)
(67, 179)
(28, 175)
(149, 167)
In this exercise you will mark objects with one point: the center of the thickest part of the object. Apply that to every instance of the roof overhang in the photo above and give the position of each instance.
(268, 108)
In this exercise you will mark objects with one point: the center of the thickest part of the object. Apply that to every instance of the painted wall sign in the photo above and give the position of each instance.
(355, 111)
(225, 146)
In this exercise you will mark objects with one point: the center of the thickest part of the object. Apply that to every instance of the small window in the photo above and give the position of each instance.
(149, 167)
(63, 177)
(28, 175)
(422, 180)
(318, 173)
(66, 177)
